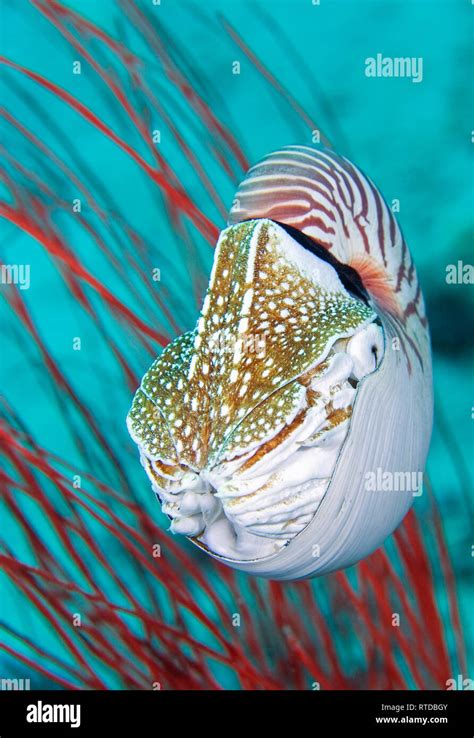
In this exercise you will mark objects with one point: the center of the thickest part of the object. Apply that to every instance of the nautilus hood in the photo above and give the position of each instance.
(263, 378)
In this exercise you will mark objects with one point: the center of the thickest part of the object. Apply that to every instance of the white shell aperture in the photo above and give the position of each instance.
(260, 429)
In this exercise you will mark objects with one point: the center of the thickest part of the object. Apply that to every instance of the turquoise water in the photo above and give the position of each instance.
(413, 139)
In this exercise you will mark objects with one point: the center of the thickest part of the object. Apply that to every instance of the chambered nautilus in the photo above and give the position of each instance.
(309, 368)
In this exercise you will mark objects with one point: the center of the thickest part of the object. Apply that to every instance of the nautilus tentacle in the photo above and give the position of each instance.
(308, 371)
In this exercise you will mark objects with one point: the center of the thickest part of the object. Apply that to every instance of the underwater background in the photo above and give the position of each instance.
(124, 132)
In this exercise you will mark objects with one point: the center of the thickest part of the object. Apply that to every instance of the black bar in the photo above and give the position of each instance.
(299, 714)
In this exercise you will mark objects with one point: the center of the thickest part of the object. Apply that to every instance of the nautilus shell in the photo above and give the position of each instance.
(308, 370)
